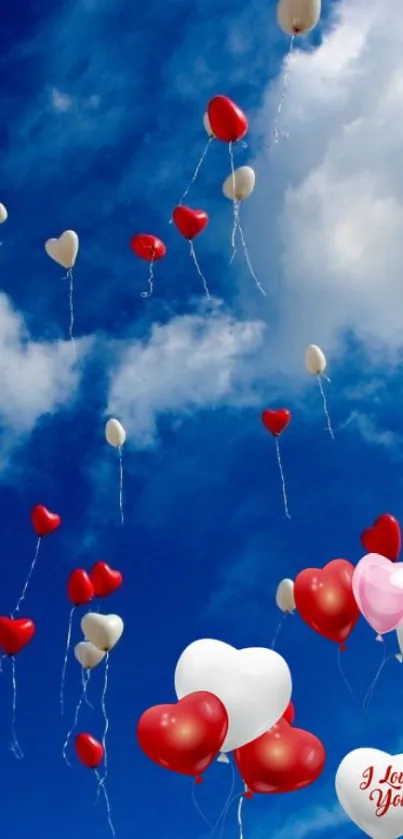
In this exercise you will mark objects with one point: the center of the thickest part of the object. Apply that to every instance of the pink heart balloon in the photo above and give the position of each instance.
(378, 590)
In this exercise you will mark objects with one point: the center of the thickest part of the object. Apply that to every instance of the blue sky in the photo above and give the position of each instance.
(102, 107)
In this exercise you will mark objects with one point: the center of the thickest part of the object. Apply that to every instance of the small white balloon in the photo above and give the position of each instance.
(298, 17)
(104, 631)
(63, 250)
(315, 360)
(3, 214)
(115, 433)
(285, 596)
(207, 126)
(239, 184)
(88, 655)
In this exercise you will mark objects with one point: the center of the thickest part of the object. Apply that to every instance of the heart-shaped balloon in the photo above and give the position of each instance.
(89, 751)
(282, 760)
(189, 222)
(43, 521)
(254, 684)
(148, 247)
(289, 713)
(104, 631)
(63, 250)
(325, 601)
(369, 786)
(87, 655)
(80, 589)
(276, 421)
(378, 590)
(185, 737)
(104, 579)
(227, 122)
(383, 537)
(15, 634)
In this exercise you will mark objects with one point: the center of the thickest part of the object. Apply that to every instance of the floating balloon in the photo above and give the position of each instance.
(276, 422)
(285, 596)
(116, 436)
(283, 759)
(15, 635)
(3, 214)
(315, 364)
(104, 631)
(91, 753)
(298, 17)
(190, 224)
(150, 249)
(64, 251)
(254, 684)
(87, 655)
(289, 713)
(105, 580)
(207, 126)
(227, 122)
(368, 785)
(383, 537)
(325, 601)
(239, 184)
(185, 737)
(80, 592)
(43, 522)
(378, 591)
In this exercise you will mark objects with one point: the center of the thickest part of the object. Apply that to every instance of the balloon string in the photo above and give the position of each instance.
(278, 630)
(150, 291)
(227, 804)
(101, 785)
(71, 303)
(283, 487)
(76, 715)
(325, 408)
(247, 258)
(196, 171)
(27, 581)
(343, 676)
(121, 484)
(198, 808)
(235, 204)
(66, 656)
(85, 680)
(282, 135)
(106, 720)
(14, 745)
(239, 816)
(370, 692)
(198, 269)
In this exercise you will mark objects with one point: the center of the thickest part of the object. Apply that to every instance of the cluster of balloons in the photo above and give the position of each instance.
(235, 701)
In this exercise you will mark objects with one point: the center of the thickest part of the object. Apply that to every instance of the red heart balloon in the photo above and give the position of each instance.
(383, 537)
(43, 521)
(324, 599)
(104, 579)
(289, 713)
(89, 751)
(282, 760)
(185, 737)
(80, 589)
(228, 123)
(276, 421)
(189, 222)
(15, 634)
(148, 247)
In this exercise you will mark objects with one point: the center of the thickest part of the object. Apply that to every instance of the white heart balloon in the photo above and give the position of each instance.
(104, 631)
(285, 596)
(254, 684)
(369, 786)
(88, 655)
(63, 250)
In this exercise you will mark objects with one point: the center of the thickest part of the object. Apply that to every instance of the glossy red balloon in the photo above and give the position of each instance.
(79, 588)
(228, 123)
(282, 760)
(276, 421)
(89, 751)
(324, 599)
(289, 713)
(384, 537)
(185, 737)
(148, 247)
(43, 521)
(189, 222)
(15, 634)
(105, 579)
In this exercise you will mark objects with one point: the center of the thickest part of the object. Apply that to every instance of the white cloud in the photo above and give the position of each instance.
(369, 430)
(192, 362)
(61, 101)
(338, 184)
(35, 378)
(311, 821)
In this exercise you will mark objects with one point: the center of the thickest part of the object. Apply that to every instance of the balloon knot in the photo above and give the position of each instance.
(379, 638)
(248, 794)
(343, 648)
(199, 780)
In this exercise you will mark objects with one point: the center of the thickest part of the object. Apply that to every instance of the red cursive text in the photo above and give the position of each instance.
(388, 794)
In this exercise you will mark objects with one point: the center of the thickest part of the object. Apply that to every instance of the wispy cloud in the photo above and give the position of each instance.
(368, 428)
(311, 821)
